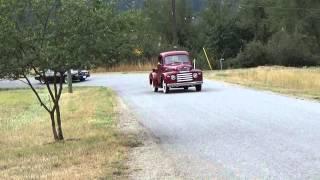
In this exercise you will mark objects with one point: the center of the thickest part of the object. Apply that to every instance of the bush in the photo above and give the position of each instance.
(283, 49)
(291, 50)
(255, 54)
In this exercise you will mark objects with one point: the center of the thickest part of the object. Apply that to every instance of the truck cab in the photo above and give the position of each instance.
(175, 70)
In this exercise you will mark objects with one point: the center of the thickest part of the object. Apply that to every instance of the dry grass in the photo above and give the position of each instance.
(94, 148)
(127, 68)
(303, 82)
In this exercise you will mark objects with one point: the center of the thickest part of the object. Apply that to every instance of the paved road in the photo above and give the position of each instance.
(226, 131)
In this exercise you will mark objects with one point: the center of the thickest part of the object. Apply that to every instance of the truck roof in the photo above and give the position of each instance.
(170, 53)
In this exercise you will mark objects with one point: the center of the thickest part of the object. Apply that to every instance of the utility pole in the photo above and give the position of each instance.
(174, 23)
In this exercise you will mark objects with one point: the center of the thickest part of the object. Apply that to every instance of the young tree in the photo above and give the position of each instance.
(41, 35)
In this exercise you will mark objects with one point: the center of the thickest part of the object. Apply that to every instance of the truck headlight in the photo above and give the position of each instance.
(173, 77)
(195, 75)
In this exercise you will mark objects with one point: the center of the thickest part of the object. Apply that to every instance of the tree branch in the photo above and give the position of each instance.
(36, 71)
(36, 93)
(46, 24)
(48, 87)
(60, 87)
(55, 85)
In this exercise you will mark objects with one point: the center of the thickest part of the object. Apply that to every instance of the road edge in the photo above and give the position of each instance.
(147, 161)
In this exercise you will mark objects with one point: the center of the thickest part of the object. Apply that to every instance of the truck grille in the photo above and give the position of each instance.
(185, 77)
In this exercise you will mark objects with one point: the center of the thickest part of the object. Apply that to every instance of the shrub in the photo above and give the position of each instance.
(283, 49)
(291, 50)
(255, 54)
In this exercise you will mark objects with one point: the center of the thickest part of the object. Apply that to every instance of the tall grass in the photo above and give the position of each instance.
(93, 149)
(138, 67)
(296, 81)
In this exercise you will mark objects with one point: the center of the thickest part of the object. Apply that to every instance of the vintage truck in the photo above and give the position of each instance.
(175, 70)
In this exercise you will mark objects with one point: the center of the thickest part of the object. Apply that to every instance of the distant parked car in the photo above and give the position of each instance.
(77, 75)
(175, 70)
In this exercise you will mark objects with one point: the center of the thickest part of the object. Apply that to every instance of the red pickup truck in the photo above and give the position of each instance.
(175, 70)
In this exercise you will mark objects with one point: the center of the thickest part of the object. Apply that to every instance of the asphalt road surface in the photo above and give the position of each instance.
(225, 131)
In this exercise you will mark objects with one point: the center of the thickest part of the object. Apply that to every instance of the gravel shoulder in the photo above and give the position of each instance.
(155, 160)
(147, 161)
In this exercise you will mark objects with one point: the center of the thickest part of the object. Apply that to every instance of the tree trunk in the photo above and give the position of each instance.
(60, 133)
(53, 126)
(69, 77)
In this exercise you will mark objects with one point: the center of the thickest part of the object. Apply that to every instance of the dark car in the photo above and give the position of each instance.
(175, 70)
(77, 75)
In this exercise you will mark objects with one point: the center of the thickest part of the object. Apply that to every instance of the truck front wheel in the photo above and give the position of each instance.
(165, 88)
(198, 87)
(155, 89)
(154, 86)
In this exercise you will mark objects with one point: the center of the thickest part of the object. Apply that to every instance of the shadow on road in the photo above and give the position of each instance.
(189, 91)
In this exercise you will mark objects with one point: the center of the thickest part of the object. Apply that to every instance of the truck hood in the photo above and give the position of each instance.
(179, 67)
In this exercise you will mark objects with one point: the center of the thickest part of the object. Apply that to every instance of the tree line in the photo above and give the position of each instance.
(246, 33)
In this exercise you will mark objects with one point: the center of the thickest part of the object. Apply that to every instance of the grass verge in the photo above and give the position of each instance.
(127, 68)
(93, 149)
(302, 82)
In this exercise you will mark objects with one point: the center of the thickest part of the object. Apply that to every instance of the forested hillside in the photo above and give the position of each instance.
(246, 33)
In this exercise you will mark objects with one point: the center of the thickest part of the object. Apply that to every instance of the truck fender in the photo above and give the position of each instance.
(164, 75)
(153, 78)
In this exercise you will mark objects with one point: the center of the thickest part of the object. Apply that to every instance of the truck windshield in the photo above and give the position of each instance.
(176, 59)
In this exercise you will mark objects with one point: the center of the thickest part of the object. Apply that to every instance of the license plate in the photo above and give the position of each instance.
(84, 76)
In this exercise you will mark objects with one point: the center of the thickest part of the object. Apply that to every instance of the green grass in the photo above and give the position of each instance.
(18, 108)
(93, 148)
(301, 82)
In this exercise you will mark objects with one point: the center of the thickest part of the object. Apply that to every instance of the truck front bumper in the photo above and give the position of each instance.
(184, 84)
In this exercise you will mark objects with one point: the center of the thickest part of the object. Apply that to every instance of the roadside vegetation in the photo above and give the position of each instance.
(303, 82)
(94, 148)
(246, 33)
(146, 66)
